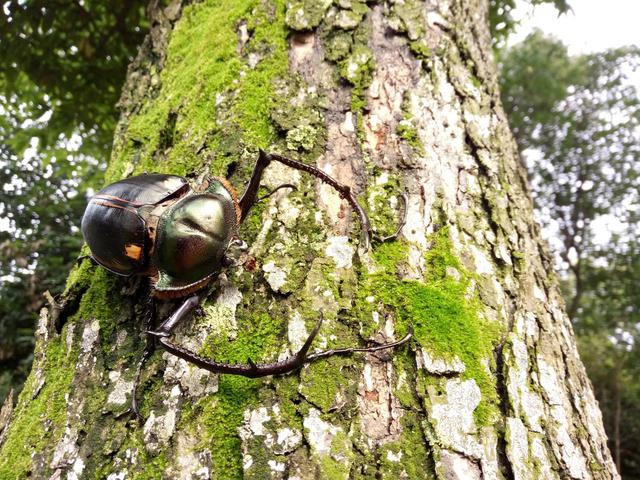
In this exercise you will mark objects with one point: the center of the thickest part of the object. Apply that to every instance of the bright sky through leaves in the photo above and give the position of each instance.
(591, 26)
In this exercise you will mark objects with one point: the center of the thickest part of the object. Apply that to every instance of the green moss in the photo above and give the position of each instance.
(444, 318)
(407, 457)
(409, 134)
(259, 338)
(103, 302)
(337, 45)
(382, 188)
(211, 102)
(220, 418)
(302, 137)
(321, 389)
(39, 422)
(337, 465)
(420, 49)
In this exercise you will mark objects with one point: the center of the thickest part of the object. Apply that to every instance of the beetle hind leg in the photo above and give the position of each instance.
(250, 369)
(254, 370)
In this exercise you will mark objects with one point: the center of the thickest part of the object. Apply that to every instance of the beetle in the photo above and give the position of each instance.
(159, 226)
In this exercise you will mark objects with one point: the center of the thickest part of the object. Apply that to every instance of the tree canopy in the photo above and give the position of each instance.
(63, 66)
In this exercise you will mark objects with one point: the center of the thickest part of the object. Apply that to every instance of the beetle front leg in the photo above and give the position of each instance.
(165, 328)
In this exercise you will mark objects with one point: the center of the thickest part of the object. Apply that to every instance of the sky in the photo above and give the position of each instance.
(592, 25)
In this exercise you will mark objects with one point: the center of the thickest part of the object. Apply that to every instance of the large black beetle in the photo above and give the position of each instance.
(159, 226)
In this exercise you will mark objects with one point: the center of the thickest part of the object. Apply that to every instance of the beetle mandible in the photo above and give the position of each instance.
(158, 226)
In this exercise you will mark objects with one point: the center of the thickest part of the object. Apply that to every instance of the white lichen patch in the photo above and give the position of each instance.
(526, 403)
(454, 466)
(570, 453)
(90, 336)
(276, 466)
(121, 389)
(340, 251)
(347, 127)
(190, 462)
(394, 456)
(356, 62)
(287, 440)
(158, 430)
(220, 316)
(76, 470)
(253, 424)
(319, 434)
(483, 266)
(300, 16)
(276, 277)
(303, 136)
(540, 457)
(456, 430)
(518, 449)
(539, 294)
(69, 339)
(453, 414)
(66, 450)
(297, 331)
(121, 475)
(288, 214)
(438, 366)
(193, 381)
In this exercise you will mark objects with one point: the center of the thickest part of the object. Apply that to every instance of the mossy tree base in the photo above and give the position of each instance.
(388, 97)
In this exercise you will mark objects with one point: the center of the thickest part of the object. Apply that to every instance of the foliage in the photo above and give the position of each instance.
(63, 65)
(577, 121)
(501, 19)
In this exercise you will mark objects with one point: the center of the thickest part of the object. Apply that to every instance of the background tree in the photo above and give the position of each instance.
(389, 97)
(63, 64)
(577, 121)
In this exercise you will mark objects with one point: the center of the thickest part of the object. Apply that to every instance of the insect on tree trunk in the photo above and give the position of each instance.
(387, 97)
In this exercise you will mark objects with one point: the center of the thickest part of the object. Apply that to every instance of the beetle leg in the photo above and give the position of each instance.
(253, 370)
(251, 193)
(165, 328)
(348, 351)
(81, 258)
(264, 159)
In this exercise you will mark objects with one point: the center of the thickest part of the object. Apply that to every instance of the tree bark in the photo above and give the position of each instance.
(388, 97)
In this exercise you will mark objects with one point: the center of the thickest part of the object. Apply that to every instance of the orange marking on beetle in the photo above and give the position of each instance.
(132, 250)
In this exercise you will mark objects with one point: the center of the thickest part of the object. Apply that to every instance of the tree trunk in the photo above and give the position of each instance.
(388, 97)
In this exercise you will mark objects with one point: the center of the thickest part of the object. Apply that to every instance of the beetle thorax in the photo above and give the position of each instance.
(193, 235)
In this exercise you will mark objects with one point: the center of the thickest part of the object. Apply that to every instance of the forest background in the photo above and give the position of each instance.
(575, 117)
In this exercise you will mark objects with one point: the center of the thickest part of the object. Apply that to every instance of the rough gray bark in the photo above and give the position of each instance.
(387, 97)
